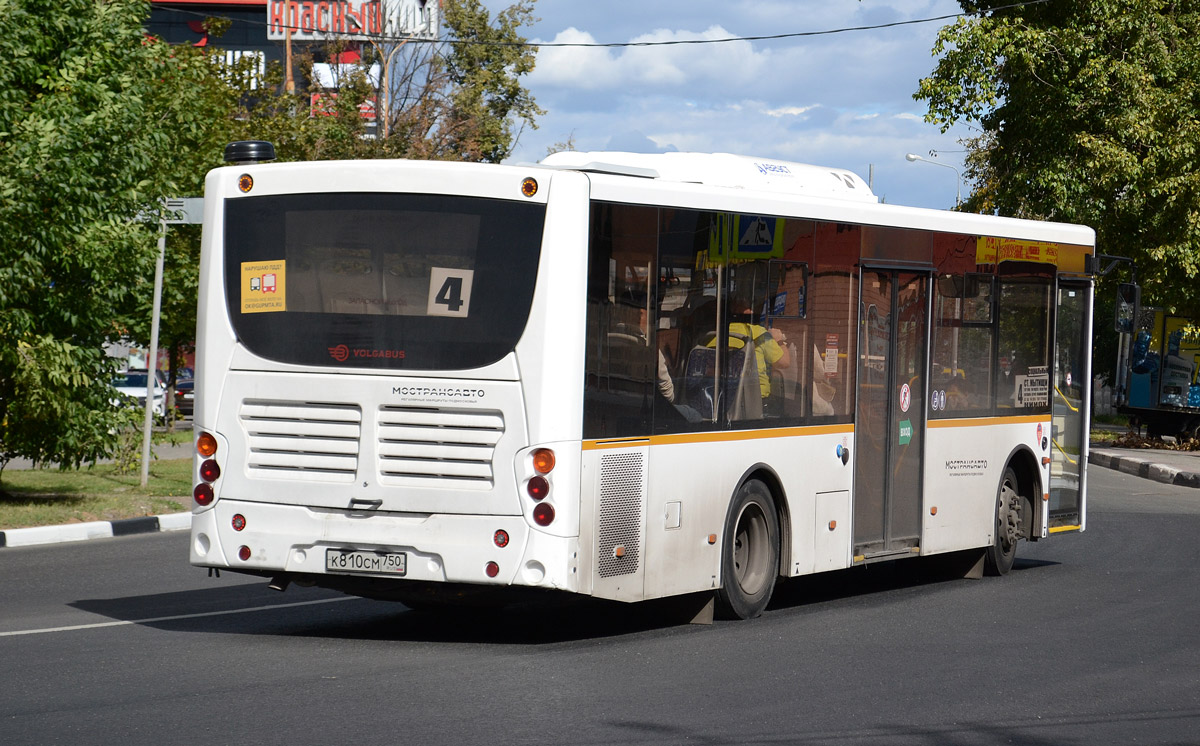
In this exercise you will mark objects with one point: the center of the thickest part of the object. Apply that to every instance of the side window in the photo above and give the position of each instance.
(1023, 341)
(761, 357)
(621, 363)
(961, 365)
(685, 322)
(829, 349)
(746, 367)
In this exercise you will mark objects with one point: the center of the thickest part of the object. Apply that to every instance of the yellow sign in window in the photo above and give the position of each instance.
(263, 286)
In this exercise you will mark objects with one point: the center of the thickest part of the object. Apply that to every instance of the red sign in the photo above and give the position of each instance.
(322, 105)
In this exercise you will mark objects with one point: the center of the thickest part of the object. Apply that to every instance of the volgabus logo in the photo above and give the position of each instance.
(342, 353)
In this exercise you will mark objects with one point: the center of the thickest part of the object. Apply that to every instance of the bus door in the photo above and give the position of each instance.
(1071, 404)
(890, 419)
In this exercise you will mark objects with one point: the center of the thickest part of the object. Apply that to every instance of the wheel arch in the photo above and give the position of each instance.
(1025, 465)
(765, 474)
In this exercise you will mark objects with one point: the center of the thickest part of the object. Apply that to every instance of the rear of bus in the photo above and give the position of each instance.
(385, 402)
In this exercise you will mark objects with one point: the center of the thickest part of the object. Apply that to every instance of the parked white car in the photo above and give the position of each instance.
(132, 384)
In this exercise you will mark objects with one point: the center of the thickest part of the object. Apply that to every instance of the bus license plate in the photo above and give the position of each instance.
(374, 563)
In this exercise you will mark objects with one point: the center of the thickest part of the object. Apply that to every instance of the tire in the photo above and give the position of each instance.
(1009, 503)
(749, 553)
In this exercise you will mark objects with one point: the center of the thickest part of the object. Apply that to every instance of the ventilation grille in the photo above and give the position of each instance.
(620, 513)
(438, 447)
(317, 440)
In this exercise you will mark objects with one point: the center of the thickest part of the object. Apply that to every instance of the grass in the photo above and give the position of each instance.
(51, 497)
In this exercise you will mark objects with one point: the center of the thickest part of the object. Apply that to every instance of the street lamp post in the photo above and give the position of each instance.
(913, 157)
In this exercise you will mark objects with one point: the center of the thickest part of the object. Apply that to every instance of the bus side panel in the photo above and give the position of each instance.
(963, 467)
(550, 352)
(691, 485)
(214, 335)
(612, 519)
(817, 498)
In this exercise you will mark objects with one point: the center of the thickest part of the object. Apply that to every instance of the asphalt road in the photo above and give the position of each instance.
(1092, 639)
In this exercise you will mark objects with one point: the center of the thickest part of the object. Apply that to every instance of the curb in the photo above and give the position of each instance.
(1144, 468)
(25, 537)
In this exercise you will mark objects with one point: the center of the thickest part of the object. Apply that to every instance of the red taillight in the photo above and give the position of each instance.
(203, 494)
(501, 538)
(492, 569)
(239, 522)
(538, 487)
(206, 444)
(210, 471)
(244, 554)
(543, 460)
(543, 514)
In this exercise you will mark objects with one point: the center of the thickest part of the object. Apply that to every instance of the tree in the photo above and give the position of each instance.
(458, 100)
(213, 90)
(89, 136)
(1087, 111)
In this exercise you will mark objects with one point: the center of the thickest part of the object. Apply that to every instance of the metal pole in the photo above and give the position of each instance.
(289, 85)
(152, 358)
(913, 158)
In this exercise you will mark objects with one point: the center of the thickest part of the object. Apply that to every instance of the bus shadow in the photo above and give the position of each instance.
(312, 612)
(253, 609)
(878, 580)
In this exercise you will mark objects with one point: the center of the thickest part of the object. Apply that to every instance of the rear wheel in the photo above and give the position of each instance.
(749, 554)
(1003, 551)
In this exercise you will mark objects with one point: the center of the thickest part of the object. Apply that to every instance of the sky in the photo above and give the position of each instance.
(842, 100)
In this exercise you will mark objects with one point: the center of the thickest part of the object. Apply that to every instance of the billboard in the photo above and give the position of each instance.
(353, 20)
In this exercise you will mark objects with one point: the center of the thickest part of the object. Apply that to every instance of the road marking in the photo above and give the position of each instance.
(177, 617)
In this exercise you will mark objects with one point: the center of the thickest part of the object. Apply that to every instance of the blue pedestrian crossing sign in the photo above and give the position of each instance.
(745, 237)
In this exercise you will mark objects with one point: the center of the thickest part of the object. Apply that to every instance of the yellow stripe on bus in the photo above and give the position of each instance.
(720, 437)
(1031, 419)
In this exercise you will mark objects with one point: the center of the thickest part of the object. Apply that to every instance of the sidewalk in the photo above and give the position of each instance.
(1159, 464)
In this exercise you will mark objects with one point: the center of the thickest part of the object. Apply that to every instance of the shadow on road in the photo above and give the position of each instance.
(874, 583)
(253, 609)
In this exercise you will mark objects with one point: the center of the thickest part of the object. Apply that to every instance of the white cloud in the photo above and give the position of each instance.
(842, 100)
(633, 68)
(788, 111)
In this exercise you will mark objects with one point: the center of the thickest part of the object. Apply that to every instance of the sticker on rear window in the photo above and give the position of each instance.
(449, 291)
(263, 287)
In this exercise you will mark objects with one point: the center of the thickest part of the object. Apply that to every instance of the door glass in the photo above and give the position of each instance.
(908, 380)
(890, 427)
(872, 425)
(1067, 415)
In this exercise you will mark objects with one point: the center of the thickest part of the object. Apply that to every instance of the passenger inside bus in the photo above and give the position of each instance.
(770, 345)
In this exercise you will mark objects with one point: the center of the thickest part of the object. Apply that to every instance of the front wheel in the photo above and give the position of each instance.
(1003, 551)
(749, 553)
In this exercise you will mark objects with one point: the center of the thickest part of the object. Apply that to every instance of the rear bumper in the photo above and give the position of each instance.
(440, 548)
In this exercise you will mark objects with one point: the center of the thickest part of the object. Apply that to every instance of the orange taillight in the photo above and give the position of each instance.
(206, 444)
(543, 460)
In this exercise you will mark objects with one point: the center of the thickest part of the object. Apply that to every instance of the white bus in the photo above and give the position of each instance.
(624, 376)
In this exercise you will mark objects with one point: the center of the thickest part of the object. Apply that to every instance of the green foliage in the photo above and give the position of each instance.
(98, 124)
(457, 101)
(57, 406)
(464, 105)
(76, 167)
(1087, 111)
(51, 497)
(485, 94)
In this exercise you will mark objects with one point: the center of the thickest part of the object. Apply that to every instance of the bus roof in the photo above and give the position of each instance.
(721, 169)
